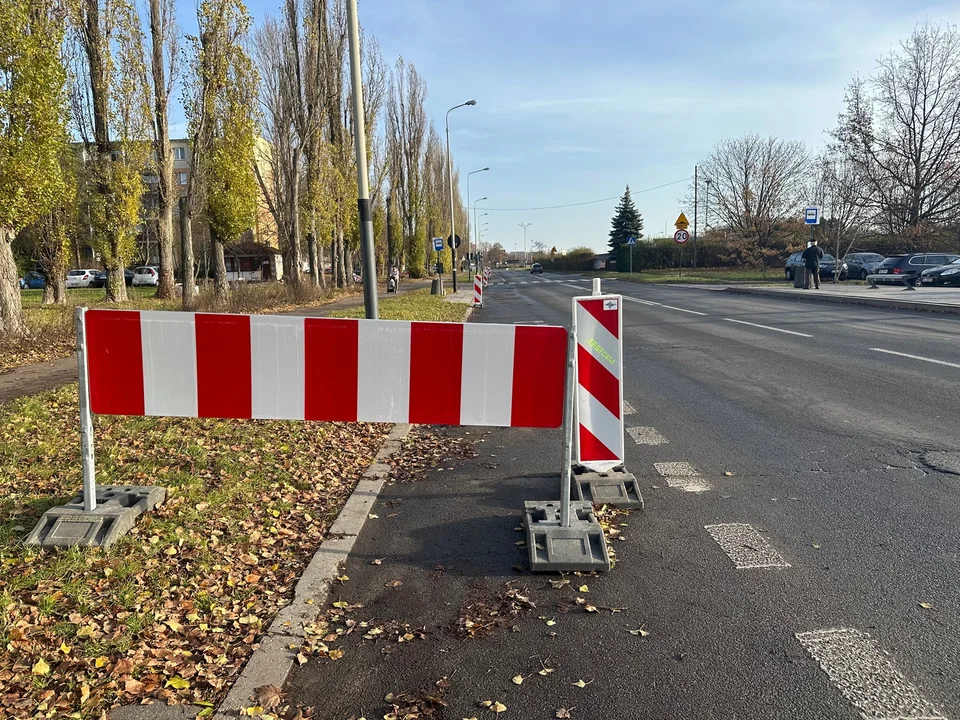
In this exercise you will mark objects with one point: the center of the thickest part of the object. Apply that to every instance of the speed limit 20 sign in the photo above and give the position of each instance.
(681, 236)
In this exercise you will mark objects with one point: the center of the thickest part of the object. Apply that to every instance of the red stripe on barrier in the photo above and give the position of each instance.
(539, 366)
(608, 318)
(592, 450)
(436, 360)
(114, 362)
(224, 386)
(330, 363)
(598, 381)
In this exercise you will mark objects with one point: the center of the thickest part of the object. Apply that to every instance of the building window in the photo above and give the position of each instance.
(179, 153)
(181, 178)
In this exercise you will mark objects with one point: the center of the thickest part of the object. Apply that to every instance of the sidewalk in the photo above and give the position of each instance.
(942, 300)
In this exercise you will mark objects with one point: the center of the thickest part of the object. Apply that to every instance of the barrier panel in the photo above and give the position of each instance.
(477, 291)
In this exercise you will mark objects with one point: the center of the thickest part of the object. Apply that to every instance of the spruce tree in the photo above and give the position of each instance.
(626, 223)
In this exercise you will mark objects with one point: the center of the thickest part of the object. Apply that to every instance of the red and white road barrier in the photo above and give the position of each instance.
(599, 394)
(486, 276)
(255, 366)
(477, 291)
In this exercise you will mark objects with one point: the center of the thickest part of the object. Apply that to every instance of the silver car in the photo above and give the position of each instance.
(861, 264)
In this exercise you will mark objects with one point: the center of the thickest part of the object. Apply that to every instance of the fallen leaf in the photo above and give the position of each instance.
(583, 589)
(641, 631)
(301, 659)
(562, 713)
(815, 546)
(581, 683)
(372, 516)
(926, 606)
(728, 473)
(335, 654)
(343, 578)
(551, 623)
(269, 696)
(498, 707)
(177, 683)
(376, 562)
(393, 583)
(590, 608)
(517, 679)
(41, 667)
(546, 671)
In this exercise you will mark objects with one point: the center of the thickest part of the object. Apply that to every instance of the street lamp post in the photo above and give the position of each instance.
(468, 202)
(525, 226)
(706, 214)
(453, 221)
(367, 258)
(475, 215)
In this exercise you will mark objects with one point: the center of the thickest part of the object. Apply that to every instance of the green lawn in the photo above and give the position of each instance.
(84, 296)
(416, 305)
(773, 276)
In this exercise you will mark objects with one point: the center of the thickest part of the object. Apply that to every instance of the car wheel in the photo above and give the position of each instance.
(863, 274)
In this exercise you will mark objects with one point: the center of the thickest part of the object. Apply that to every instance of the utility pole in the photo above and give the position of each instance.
(525, 226)
(367, 259)
(706, 214)
(696, 187)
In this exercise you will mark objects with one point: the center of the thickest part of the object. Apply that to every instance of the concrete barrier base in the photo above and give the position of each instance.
(553, 548)
(615, 487)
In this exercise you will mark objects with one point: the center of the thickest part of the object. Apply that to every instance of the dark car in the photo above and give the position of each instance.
(99, 279)
(948, 274)
(828, 266)
(861, 264)
(537, 269)
(898, 269)
(32, 281)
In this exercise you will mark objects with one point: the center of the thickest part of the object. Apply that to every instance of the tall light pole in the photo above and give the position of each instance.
(525, 226)
(453, 221)
(367, 259)
(475, 215)
(468, 201)
(706, 214)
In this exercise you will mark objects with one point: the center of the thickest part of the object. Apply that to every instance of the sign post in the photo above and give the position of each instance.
(631, 241)
(453, 241)
(438, 244)
(811, 217)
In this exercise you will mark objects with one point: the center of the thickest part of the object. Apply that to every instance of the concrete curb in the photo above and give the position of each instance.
(850, 300)
(273, 660)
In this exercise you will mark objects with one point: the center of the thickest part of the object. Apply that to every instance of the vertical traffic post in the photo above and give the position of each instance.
(478, 290)
(565, 468)
(86, 416)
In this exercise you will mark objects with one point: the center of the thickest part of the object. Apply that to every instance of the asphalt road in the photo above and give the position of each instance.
(820, 427)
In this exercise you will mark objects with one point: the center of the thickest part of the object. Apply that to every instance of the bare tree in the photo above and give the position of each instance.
(758, 183)
(901, 131)
(839, 189)
(164, 52)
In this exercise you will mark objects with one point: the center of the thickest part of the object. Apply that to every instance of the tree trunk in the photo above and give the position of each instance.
(166, 282)
(391, 241)
(57, 279)
(165, 194)
(186, 255)
(321, 261)
(221, 290)
(333, 260)
(296, 278)
(348, 270)
(12, 322)
(315, 270)
(47, 293)
(341, 261)
(116, 286)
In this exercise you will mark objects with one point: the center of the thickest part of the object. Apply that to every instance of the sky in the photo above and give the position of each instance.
(575, 100)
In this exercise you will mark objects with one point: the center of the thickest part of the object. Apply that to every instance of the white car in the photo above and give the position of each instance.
(80, 278)
(145, 276)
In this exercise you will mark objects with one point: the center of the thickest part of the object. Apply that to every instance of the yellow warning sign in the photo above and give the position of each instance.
(682, 223)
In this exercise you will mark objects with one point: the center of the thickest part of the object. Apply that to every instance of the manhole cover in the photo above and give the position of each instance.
(946, 462)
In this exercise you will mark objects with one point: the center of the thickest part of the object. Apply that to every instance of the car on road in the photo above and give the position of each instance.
(898, 269)
(536, 269)
(861, 264)
(948, 274)
(32, 281)
(99, 280)
(828, 266)
(80, 278)
(146, 276)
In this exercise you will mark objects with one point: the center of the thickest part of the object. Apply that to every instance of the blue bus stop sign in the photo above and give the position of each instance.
(438, 244)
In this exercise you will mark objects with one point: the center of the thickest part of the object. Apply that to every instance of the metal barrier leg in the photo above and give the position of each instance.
(86, 417)
(565, 472)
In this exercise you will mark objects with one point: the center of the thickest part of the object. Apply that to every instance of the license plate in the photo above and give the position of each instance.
(926, 280)
(882, 272)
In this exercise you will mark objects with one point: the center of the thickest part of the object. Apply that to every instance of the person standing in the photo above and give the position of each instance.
(811, 260)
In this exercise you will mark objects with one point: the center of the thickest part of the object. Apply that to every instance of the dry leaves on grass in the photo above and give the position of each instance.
(171, 612)
(485, 612)
(424, 449)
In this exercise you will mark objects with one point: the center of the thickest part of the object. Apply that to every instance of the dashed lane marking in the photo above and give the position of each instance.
(646, 436)
(668, 307)
(746, 547)
(628, 408)
(682, 475)
(860, 670)
(767, 327)
(916, 357)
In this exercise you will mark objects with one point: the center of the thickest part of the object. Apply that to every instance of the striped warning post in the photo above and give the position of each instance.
(597, 323)
(255, 366)
(486, 276)
(477, 291)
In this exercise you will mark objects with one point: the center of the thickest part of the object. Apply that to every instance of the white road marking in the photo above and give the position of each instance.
(916, 357)
(767, 327)
(860, 670)
(628, 408)
(746, 547)
(668, 307)
(682, 475)
(646, 436)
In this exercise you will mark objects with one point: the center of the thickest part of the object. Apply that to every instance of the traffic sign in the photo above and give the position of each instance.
(811, 215)
(438, 244)
(682, 224)
(681, 236)
(631, 240)
(451, 243)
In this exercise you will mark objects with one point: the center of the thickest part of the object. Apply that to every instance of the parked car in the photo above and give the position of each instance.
(128, 277)
(861, 264)
(828, 266)
(32, 281)
(948, 274)
(146, 276)
(536, 269)
(80, 278)
(99, 280)
(897, 268)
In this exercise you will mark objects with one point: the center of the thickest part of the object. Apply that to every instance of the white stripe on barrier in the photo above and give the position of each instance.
(383, 395)
(169, 363)
(277, 365)
(486, 382)
(601, 423)
(588, 328)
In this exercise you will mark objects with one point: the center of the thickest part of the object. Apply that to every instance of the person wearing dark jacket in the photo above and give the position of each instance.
(811, 260)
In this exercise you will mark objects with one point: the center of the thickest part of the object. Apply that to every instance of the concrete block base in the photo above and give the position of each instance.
(554, 548)
(118, 507)
(615, 487)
